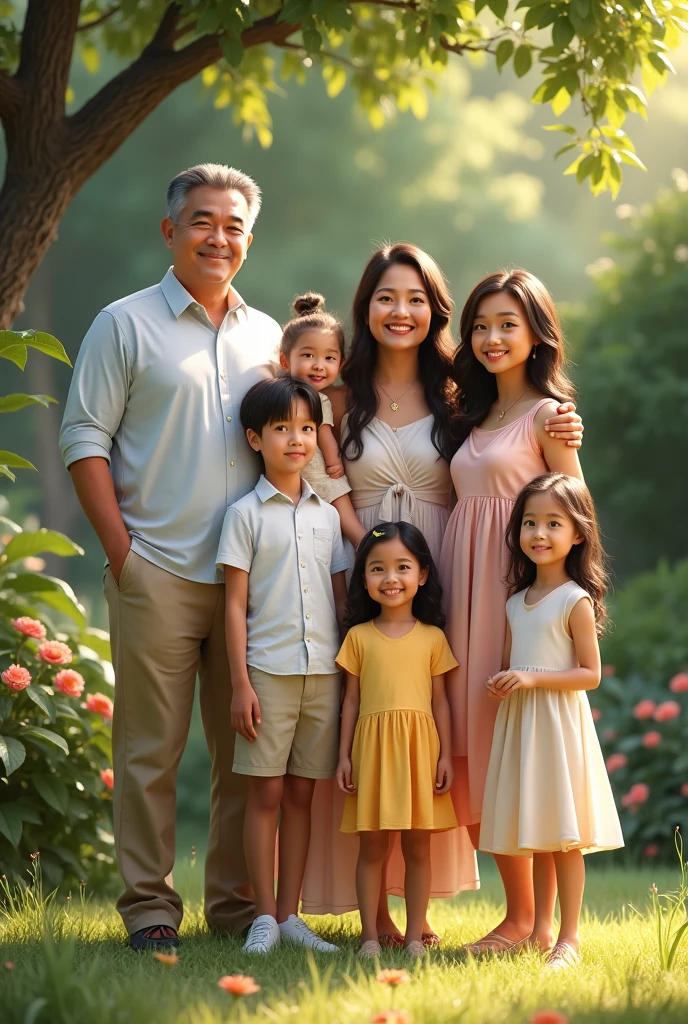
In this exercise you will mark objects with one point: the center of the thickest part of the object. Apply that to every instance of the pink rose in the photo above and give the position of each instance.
(651, 850)
(626, 800)
(666, 710)
(596, 714)
(70, 682)
(616, 761)
(684, 789)
(609, 735)
(53, 652)
(652, 738)
(608, 670)
(16, 677)
(107, 777)
(639, 793)
(99, 704)
(679, 683)
(644, 709)
(29, 627)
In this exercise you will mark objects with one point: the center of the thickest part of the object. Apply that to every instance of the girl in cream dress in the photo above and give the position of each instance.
(547, 793)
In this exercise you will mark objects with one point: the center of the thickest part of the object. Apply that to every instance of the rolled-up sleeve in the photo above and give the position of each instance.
(98, 392)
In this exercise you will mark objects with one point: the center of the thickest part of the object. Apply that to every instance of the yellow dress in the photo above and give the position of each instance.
(396, 746)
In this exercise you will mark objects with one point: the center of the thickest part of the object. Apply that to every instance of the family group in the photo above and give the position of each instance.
(390, 590)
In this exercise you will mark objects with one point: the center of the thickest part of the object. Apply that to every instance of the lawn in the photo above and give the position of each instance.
(87, 976)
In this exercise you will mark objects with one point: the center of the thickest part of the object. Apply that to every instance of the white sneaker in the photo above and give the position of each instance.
(263, 934)
(294, 929)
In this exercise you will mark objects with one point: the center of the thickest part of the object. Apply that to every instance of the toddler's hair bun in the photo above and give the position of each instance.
(311, 302)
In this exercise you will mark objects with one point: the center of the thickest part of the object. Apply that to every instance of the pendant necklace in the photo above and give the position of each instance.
(503, 414)
(394, 402)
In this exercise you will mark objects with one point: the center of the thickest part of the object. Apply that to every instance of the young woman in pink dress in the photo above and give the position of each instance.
(395, 415)
(509, 372)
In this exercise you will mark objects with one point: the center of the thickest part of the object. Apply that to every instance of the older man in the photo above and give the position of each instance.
(152, 438)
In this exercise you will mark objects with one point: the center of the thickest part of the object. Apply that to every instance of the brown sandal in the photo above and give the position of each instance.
(493, 944)
(391, 941)
(431, 939)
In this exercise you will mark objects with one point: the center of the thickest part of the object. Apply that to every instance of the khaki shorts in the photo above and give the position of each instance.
(299, 729)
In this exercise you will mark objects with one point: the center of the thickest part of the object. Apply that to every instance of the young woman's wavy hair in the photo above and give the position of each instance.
(585, 563)
(477, 387)
(427, 604)
(434, 355)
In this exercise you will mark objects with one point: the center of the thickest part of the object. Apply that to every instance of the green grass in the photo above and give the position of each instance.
(87, 976)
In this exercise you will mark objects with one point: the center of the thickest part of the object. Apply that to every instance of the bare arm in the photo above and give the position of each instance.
(245, 709)
(327, 443)
(96, 493)
(339, 591)
(586, 676)
(560, 458)
(565, 424)
(346, 736)
(440, 712)
(337, 397)
(352, 527)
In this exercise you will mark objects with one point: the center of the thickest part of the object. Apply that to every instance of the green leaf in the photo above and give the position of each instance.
(661, 63)
(631, 158)
(51, 591)
(498, 8)
(569, 129)
(99, 641)
(53, 791)
(45, 343)
(11, 823)
(232, 50)
(38, 732)
(562, 32)
(523, 59)
(12, 348)
(34, 1010)
(28, 813)
(6, 704)
(6, 525)
(4, 471)
(42, 699)
(40, 541)
(15, 461)
(503, 52)
(12, 403)
(12, 753)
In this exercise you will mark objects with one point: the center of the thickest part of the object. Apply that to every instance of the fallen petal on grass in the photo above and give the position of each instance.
(168, 959)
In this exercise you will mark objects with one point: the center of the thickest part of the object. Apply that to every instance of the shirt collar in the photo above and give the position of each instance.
(265, 490)
(179, 299)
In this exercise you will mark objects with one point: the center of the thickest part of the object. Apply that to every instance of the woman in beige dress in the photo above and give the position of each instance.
(395, 416)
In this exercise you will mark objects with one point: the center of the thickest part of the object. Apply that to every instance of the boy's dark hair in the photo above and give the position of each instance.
(272, 400)
(427, 604)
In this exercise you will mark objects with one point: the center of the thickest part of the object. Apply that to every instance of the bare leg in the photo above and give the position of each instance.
(517, 878)
(385, 924)
(295, 834)
(415, 845)
(260, 834)
(371, 860)
(570, 868)
(545, 889)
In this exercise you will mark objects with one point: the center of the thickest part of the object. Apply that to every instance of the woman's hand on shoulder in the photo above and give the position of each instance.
(562, 423)
(444, 776)
(560, 458)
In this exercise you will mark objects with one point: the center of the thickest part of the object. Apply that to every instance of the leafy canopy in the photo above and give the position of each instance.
(597, 52)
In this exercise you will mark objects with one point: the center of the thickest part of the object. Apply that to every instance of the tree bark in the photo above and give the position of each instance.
(49, 155)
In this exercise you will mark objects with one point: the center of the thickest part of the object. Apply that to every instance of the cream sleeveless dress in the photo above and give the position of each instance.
(399, 477)
(547, 787)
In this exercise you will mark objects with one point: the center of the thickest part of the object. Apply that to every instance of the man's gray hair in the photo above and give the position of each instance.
(229, 179)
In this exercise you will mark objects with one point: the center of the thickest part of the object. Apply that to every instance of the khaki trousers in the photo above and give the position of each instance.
(165, 631)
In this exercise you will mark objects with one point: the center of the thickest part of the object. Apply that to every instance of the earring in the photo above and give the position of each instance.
(534, 351)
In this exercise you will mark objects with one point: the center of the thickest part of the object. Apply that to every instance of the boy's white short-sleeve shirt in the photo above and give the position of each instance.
(290, 553)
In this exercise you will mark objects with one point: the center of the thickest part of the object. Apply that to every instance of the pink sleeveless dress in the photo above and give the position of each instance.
(489, 470)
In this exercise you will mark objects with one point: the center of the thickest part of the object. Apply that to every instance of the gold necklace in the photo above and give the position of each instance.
(503, 414)
(394, 402)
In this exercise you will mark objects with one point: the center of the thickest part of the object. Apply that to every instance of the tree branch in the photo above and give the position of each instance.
(320, 54)
(97, 22)
(108, 118)
(46, 56)
(11, 95)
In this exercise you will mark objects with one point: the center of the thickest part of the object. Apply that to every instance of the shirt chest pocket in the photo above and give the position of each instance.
(322, 546)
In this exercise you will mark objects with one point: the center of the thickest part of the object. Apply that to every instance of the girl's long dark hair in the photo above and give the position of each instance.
(585, 563)
(427, 604)
(477, 387)
(434, 354)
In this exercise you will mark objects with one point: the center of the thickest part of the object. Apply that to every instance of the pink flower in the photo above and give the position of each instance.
(238, 985)
(53, 652)
(684, 789)
(596, 714)
(29, 627)
(99, 704)
(644, 709)
(679, 683)
(651, 850)
(608, 670)
(9, 965)
(652, 738)
(666, 710)
(391, 1017)
(609, 735)
(107, 777)
(639, 793)
(16, 677)
(616, 761)
(393, 976)
(70, 682)
(548, 1017)
(626, 800)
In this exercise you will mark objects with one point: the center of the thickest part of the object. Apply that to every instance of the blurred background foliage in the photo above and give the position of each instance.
(474, 183)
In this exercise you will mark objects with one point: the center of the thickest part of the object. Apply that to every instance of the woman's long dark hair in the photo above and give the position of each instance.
(434, 354)
(427, 604)
(585, 562)
(477, 387)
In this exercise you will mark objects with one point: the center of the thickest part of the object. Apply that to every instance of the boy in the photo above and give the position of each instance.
(284, 562)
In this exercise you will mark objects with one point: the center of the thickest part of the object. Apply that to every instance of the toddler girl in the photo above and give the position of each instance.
(395, 747)
(547, 792)
(312, 349)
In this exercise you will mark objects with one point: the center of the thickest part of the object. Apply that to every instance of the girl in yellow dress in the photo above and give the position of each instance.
(395, 760)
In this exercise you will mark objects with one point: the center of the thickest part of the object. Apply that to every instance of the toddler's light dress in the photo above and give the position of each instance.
(316, 473)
